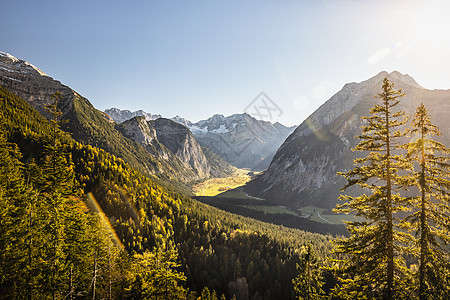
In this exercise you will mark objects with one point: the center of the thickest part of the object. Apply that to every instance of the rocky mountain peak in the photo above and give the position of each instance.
(13, 64)
(138, 130)
(32, 84)
(121, 115)
(182, 121)
(348, 97)
(396, 76)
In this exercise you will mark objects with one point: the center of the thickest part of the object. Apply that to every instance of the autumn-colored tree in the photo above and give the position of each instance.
(156, 276)
(431, 215)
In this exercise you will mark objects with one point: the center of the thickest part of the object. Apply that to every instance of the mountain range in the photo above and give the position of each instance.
(239, 139)
(303, 171)
(178, 160)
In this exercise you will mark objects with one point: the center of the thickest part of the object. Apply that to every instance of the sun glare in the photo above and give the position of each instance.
(94, 206)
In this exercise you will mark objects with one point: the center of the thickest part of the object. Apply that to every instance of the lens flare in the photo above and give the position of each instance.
(317, 132)
(94, 206)
(131, 208)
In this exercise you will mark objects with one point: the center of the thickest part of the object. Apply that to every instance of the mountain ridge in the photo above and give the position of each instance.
(169, 140)
(239, 139)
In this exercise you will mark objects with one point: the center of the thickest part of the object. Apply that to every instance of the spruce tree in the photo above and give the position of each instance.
(430, 218)
(308, 283)
(370, 264)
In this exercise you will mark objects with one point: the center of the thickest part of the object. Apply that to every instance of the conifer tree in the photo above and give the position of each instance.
(370, 265)
(430, 218)
(156, 276)
(308, 283)
(33, 237)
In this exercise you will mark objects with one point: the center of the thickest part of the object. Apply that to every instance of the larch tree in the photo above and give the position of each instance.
(156, 276)
(430, 218)
(369, 263)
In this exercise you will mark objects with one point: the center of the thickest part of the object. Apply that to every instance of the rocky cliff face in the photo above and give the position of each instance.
(170, 141)
(183, 144)
(303, 171)
(139, 130)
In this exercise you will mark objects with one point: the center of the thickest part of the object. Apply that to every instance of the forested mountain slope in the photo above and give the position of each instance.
(89, 125)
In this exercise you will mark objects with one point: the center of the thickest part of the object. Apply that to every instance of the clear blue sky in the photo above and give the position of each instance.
(198, 58)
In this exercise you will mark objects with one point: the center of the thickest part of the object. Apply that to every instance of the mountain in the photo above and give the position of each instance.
(91, 126)
(120, 115)
(168, 140)
(182, 143)
(303, 171)
(239, 139)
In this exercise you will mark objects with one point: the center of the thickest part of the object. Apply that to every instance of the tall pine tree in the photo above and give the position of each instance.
(370, 265)
(430, 218)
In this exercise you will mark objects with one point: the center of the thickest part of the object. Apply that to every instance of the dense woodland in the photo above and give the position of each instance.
(78, 222)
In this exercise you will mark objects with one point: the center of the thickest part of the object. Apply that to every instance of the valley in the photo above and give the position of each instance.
(215, 186)
(246, 201)
(229, 205)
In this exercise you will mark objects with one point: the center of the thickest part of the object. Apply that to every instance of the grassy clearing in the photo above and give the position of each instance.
(322, 215)
(215, 186)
